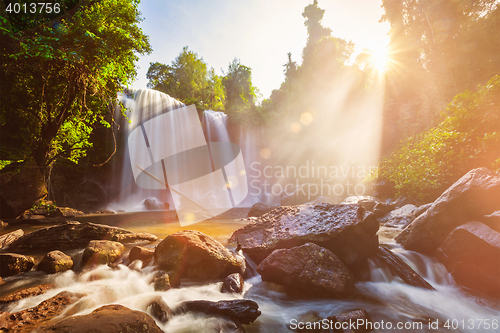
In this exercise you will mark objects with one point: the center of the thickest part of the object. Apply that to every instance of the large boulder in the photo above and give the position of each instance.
(422, 209)
(107, 319)
(27, 321)
(13, 263)
(192, 254)
(48, 213)
(100, 252)
(399, 218)
(243, 311)
(55, 262)
(346, 229)
(473, 196)
(309, 268)
(72, 235)
(471, 253)
(11, 237)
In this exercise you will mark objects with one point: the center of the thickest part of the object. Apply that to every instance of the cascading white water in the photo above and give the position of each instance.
(386, 298)
(144, 105)
(164, 135)
(140, 106)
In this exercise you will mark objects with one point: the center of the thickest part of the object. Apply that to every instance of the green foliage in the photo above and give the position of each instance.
(189, 80)
(468, 137)
(59, 78)
(48, 205)
(240, 92)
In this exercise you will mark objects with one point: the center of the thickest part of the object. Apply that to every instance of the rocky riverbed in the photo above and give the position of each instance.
(311, 263)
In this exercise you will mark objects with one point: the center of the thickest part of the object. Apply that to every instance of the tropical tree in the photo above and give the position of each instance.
(189, 80)
(59, 77)
(240, 92)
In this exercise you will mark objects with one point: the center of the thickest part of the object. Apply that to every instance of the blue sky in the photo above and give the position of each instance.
(258, 32)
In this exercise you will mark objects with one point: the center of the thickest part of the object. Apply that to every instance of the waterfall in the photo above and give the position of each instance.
(173, 158)
(140, 106)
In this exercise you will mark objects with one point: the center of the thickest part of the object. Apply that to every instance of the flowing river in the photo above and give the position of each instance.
(392, 305)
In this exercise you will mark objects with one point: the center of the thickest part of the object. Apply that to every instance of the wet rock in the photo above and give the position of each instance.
(9, 238)
(107, 319)
(72, 235)
(243, 311)
(259, 209)
(383, 208)
(25, 293)
(192, 254)
(470, 198)
(399, 218)
(160, 310)
(143, 254)
(46, 210)
(27, 320)
(105, 211)
(346, 229)
(161, 281)
(12, 264)
(47, 213)
(233, 283)
(308, 268)
(367, 202)
(403, 201)
(355, 321)
(68, 212)
(228, 326)
(471, 253)
(100, 252)
(422, 209)
(310, 321)
(152, 204)
(135, 237)
(55, 262)
(400, 268)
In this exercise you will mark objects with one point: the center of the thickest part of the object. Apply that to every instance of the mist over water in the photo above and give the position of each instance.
(144, 105)
(333, 143)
